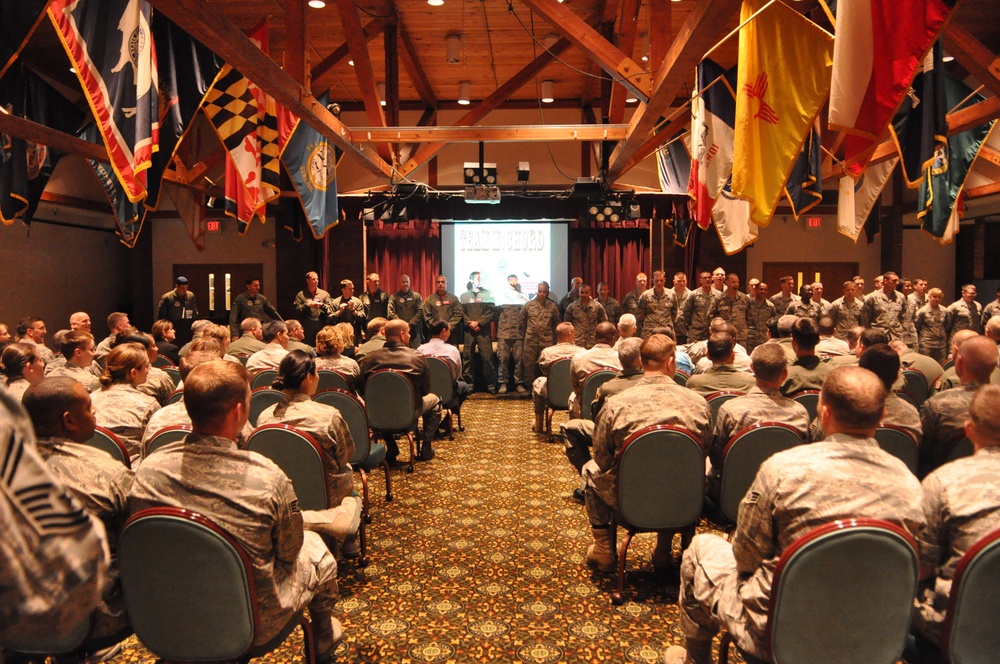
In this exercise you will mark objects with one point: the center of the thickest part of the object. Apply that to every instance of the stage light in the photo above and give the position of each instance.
(523, 171)
(484, 174)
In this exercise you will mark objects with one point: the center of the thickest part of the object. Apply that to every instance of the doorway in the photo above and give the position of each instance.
(831, 275)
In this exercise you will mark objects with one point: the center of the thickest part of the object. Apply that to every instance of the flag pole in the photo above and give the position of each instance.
(736, 30)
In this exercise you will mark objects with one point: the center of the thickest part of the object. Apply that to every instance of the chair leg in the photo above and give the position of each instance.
(548, 422)
(388, 482)
(308, 642)
(618, 597)
(413, 452)
(724, 647)
(459, 413)
(365, 506)
(363, 544)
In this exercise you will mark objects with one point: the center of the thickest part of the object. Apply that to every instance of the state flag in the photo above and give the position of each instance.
(311, 162)
(857, 198)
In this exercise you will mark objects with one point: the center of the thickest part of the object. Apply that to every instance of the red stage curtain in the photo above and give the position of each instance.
(614, 255)
(413, 248)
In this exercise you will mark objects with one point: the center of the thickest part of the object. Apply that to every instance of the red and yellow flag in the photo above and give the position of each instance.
(784, 78)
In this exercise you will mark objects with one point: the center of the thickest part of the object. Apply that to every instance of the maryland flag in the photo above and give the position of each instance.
(784, 78)
(253, 128)
(111, 48)
(311, 163)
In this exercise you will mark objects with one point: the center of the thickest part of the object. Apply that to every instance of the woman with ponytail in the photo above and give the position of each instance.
(22, 367)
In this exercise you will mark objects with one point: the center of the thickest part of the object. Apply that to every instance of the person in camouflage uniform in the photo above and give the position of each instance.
(943, 416)
(759, 311)
(61, 412)
(599, 356)
(930, 323)
(630, 303)
(248, 496)
(348, 309)
(681, 293)
(721, 376)
(808, 371)
(565, 348)
(847, 475)
(990, 310)
(407, 305)
(884, 309)
(949, 377)
(657, 306)
(965, 313)
(313, 306)
(572, 296)
(444, 305)
(612, 307)
(78, 349)
(478, 308)
(731, 306)
(585, 313)
(121, 407)
(785, 297)
(961, 501)
(537, 326)
(52, 570)
(374, 299)
(846, 311)
(916, 297)
(653, 399)
(510, 342)
(697, 307)
(158, 383)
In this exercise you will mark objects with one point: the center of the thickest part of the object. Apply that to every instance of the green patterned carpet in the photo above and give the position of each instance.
(480, 558)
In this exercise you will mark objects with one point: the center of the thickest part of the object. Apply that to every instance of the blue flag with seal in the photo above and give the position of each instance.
(311, 163)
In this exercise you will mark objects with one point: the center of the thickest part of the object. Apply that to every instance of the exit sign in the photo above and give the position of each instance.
(213, 226)
(813, 222)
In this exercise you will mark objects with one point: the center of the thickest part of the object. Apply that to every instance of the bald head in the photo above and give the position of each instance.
(852, 401)
(976, 359)
(564, 332)
(394, 329)
(959, 338)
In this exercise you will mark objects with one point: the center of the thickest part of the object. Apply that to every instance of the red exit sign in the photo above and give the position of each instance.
(213, 226)
(813, 222)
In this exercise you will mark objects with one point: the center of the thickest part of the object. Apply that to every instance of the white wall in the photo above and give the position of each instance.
(787, 240)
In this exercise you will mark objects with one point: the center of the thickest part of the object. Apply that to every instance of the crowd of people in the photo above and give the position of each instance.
(670, 348)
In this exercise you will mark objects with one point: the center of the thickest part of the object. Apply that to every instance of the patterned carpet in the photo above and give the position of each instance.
(480, 558)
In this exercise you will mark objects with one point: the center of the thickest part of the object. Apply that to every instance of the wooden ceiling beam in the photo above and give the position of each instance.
(704, 26)
(661, 137)
(427, 119)
(415, 70)
(660, 24)
(627, 31)
(578, 31)
(475, 134)
(595, 76)
(372, 28)
(971, 54)
(296, 39)
(57, 140)
(210, 27)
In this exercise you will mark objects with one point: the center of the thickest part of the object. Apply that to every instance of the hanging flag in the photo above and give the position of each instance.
(857, 198)
(129, 215)
(880, 44)
(311, 163)
(25, 166)
(190, 207)
(673, 164)
(784, 78)
(939, 202)
(921, 126)
(713, 109)
(732, 221)
(804, 189)
(19, 22)
(110, 46)
(186, 71)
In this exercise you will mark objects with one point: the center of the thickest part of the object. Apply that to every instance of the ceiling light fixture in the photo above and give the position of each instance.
(630, 98)
(947, 58)
(547, 97)
(453, 49)
(463, 93)
(350, 62)
(435, 3)
(645, 47)
(381, 92)
(316, 4)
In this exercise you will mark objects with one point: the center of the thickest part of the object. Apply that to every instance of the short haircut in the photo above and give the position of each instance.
(665, 331)
(115, 318)
(47, 400)
(273, 329)
(872, 336)
(605, 332)
(966, 287)
(329, 341)
(717, 324)
(26, 324)
(73, 340)
(768, 361)
(979, 356)
(786, 279)
(564, 330)
(855, 396)
(121, 360)
(160, 328)
(249, 324)
(772, 327)
(785, 324)
(993, 326)
(292, 324)
(200, 326)
(805, 333)
(438, 326)
(984, 411)
(826, 326)
(251, 280)
(375, 325)
(889, 274)
(849, 282)
(193, 359)
(882, 361)
(208, 345)
(629, 352)
(212, 389)
(295, 367)
(657, 350)
(132, 335)
(854, 335)
(935, 292)
(394, 329)
(719, 347)
(344, 283)
(627, 320)
(659, 273)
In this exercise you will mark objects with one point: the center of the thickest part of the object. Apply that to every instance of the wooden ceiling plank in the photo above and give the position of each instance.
(704, 26)
(578, 31)
(229, 43)
(364, 71)
(508, 134)
(372, 28)
(985, 190)
(660, 30)
(973, 116)
(296, 39)
(57, 140)
(415, 70)
(391, 41)
(971, 54)
(427, 118)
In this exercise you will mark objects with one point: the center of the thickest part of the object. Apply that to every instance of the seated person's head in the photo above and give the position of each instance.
(217, 396)
(375, 326)
(626, 325)
(273, 329)
(720, 348)
(852, 401)
(438, 329)
(772, 327)
(395, 330)
(76, 340)
(805, 334)
(871, 336)
(329, 342)
(665, 331)
(295, 368)
(126, 364)
(785, 325)
(976, 359)
(194, 358)
(882, 361)
(983, 427)
(658, 354)
(564, 332)
(209, 345)
(769, 363)
(605, 333)
(249, 326)
(717, 325)
(60, 407)
(826, 326)
(629, 353)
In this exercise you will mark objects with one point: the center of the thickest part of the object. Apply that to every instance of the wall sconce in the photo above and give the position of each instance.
(453, 49)
(380, 87)
(463, 93)
(547, 97)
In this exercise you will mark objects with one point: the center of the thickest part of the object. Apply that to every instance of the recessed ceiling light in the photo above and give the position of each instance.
(948, 58)
(317, 4)
(547, 95)
(350, 62)
(435, 3)
(463, 93)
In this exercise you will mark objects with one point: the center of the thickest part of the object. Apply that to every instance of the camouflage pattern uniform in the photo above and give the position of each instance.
(158, 385)
(680, 327)
(353, 313)
(101, 484)
(696, 313)
(478, 306)
(806, 373)
(720, 378)
(539, 388)
(962, 316)
(733, 311)
(584, 320)
(601, 356)
(125, 411)
(657, 310)
(795, 491)
(990, 310)
(409, 307)
(312, 319)
(249, 497)
(510, 341)
(579, 433)
(949, 379)
(176, 414)
(447, 308)
(259, 307)
(758, 313)
(43, 351)
(17, 387)
(943, 419)
(345, 365)
(898, 413)
(83, 376)
(268, 358)
(651, 400)
(248, 344)
(923, 363)
(932, 335)
(809, 309)
(913, 305)
(612, 308)
(846, 315)
(885, 313)
(962, 505)
(537, 326)
(53, 554)
(325, 424)
(630, 305)
(781, 303)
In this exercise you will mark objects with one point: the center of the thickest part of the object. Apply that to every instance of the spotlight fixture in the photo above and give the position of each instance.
(453, 49)
(463, 93)
(547, 97)
(523, 171)
(605, 212)
(380, 87)
(476, 173)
